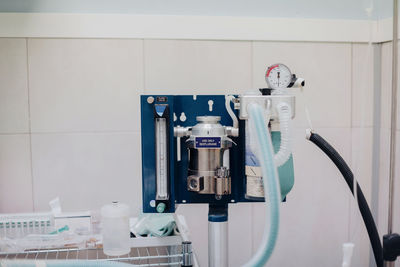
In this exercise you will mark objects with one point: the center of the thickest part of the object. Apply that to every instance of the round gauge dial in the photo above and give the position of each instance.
(278, 76)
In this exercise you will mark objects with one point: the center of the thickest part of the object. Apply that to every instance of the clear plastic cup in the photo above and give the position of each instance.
(115, 229)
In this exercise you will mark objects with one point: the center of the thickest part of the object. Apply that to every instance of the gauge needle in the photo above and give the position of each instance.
(279, 76)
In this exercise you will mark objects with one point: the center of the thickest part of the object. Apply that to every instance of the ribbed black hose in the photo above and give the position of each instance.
(362, 203)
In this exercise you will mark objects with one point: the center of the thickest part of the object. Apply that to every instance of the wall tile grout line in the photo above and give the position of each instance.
(86, 132)
(351, 138)
(11, 134)
(29, 121)
(252, 64)
(376, 135)
(138, 132)
(144, 66)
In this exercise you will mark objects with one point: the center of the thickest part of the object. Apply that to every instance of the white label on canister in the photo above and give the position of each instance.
(254, 186)
(253, 171)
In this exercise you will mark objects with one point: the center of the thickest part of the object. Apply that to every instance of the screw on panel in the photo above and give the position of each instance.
(210, 105)
(182, 117)
(150, 100)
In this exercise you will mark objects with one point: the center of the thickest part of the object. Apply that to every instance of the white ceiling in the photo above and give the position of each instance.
(329, 9)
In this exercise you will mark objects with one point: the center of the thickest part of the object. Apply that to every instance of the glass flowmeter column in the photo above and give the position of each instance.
(162, 156)
(161, 159)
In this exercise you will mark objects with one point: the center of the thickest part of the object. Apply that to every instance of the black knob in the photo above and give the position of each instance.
(265, 91)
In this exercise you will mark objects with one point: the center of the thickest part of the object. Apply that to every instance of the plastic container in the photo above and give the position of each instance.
(18, 225)
(116, 233)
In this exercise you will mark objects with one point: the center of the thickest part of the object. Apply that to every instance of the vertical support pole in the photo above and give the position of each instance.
(376, 138)
(393, 122)
(218, 235)
(187, 254)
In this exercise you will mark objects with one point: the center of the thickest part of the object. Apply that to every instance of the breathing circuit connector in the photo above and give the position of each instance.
(391, 247)
(297, 82)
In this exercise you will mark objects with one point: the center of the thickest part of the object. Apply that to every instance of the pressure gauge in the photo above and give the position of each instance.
(278, 76)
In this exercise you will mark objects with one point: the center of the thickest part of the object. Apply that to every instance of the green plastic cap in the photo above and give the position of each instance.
(161, 207)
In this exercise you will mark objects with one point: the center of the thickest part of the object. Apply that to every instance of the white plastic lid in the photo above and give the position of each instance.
(253, 92)
(115, 210)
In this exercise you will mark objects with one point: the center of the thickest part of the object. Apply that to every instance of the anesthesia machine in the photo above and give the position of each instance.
(220, 150)
(223, 150)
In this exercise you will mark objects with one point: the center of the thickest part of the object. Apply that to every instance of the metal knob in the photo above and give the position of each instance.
(222, 172)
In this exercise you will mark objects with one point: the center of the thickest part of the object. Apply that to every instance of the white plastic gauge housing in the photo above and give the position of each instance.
(278, 76)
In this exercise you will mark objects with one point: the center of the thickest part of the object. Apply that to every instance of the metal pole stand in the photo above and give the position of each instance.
(218, 235)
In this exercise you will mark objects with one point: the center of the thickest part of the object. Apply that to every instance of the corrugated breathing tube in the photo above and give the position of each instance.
(362, 202)
(285, 150)
(262, 144)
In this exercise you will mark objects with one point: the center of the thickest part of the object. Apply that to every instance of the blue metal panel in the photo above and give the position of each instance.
(200, 107)
(179, 169)
(148, 152)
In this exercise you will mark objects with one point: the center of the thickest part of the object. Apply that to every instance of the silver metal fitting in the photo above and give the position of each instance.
(195, 183)
(222, 182)
(207, 143)
(180, 131)
(231, 131)
(187, 254)
(222, 172)
(150, 100)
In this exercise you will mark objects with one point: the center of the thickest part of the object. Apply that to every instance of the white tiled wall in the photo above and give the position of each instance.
(202, 67)
(80, 85)
(77, 136)
(15, 153)
(15, 173)
(14, 107)
(86, 170)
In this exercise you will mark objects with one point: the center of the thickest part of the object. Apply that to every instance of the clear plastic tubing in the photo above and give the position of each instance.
(262, 144)
(115, 230)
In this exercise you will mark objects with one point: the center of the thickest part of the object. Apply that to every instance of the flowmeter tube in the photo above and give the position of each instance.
(161, 128)
(161, 159)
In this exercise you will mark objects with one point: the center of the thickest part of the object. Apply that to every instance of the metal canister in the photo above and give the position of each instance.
(208, 145)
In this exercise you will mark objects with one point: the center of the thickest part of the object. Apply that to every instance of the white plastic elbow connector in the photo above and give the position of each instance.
(299, 83)
(285, 120)
(308, 133)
